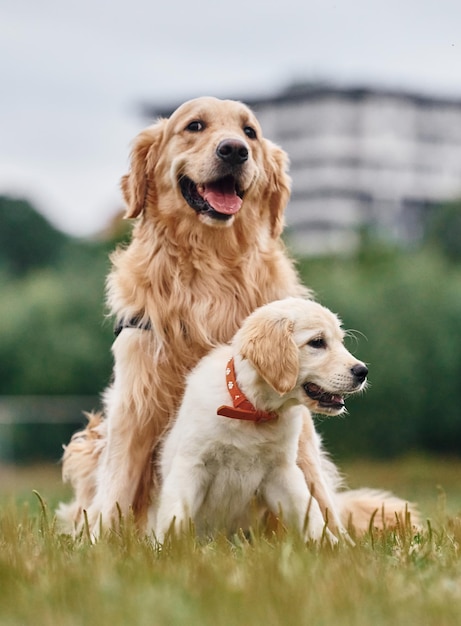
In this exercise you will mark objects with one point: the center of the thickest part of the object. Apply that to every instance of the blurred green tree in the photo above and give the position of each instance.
(443, 230)
(53, 339)
(27, 239)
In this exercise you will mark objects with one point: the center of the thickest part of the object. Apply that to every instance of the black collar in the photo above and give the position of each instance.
(134, 322)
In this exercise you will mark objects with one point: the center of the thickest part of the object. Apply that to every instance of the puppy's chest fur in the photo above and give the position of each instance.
(234, 476)
(231, 461)
(234, 466)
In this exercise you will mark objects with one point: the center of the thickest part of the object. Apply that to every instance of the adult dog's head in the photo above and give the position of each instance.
(208, 162)
(295, 348)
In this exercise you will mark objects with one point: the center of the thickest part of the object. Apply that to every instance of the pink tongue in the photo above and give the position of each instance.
(222, 197)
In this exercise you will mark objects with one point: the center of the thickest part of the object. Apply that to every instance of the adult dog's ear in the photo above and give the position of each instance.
(269, 345)
(278, 187)
(137, 182)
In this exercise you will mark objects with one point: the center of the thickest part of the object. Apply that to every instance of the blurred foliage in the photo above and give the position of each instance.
(444, 230)
(405, 305)
(406, 309)
(38, 245)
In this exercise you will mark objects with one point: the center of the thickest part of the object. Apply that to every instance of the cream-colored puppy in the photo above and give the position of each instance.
(236, 435)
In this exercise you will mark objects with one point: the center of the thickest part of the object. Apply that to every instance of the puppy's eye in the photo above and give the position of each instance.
(318, 342)
(196, 126)
(250, 132)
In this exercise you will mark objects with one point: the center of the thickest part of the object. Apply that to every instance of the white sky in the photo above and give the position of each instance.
(73, 74)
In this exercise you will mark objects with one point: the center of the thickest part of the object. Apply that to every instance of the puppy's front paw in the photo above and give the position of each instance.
(316, 528)
(321, 533)
(100, 519)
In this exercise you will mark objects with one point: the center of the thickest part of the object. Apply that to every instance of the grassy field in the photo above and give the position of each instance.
(399, 578)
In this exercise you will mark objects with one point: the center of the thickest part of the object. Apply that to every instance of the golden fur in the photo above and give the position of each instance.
(194, 279)
(212, 464)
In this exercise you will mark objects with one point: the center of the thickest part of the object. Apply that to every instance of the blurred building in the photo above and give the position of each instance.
(361, 159)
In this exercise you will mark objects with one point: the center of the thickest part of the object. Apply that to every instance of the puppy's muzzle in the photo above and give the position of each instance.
(359, 372)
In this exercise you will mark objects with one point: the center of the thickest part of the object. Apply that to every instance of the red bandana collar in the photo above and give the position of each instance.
(242, 409)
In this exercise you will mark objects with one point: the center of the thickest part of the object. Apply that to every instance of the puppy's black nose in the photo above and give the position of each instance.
(232, 151)
(360, 372)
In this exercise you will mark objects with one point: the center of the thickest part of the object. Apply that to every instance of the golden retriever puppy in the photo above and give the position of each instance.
(209, 192)
(237, 431)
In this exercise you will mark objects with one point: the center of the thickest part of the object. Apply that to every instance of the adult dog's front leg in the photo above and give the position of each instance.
(321, 475)
(286, 492)
(135, 420)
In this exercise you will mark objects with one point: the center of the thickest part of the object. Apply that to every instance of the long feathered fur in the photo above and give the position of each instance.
(194, 282)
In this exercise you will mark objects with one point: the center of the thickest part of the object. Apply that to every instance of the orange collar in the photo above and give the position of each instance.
(242, 409)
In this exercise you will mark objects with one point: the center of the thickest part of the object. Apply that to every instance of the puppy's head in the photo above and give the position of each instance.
(296, 348)
(208, 162)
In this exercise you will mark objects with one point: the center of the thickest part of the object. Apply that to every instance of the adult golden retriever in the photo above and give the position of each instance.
(209, 192)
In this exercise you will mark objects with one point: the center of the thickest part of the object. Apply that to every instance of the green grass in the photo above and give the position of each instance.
(397, 578)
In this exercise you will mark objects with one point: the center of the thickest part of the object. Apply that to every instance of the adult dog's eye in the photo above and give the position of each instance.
(318, 342)
(196, 126)
(250, 132)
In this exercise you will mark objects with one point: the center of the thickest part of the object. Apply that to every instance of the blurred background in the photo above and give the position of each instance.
(365, 98)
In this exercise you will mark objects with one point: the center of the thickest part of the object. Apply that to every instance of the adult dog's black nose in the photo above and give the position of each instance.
(232, 151)
(360, 372)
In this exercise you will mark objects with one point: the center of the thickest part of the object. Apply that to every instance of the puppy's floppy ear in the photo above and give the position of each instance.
(279, 186)
(143, 159)
(269, 345)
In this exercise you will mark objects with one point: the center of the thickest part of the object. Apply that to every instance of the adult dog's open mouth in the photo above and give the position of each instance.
(324, 399)
(219, 199)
